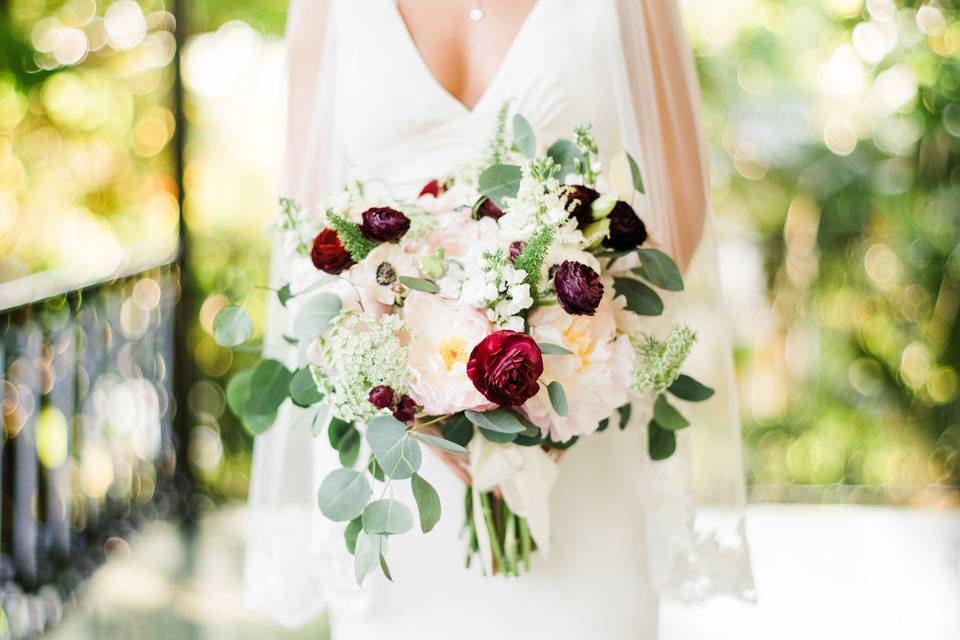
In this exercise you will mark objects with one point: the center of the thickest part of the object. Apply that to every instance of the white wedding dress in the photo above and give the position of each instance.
(624, 530)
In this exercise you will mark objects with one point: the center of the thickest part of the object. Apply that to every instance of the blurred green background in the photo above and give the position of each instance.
(834, 130)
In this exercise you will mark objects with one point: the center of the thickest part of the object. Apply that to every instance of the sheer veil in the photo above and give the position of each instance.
(696, 537)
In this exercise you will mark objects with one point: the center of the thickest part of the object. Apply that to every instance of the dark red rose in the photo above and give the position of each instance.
(579, 289)
(434, 188)
(627, 231)
(580, 199)
(505, 367)
(383, 224)
(381, 397)
(328, 253)
(485, 208)
(406, 409)
(515, 248)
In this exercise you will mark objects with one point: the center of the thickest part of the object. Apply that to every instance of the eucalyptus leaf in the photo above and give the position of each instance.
(635, 174)
(686, 388)
(567, 155)
(347, 439)
(550, 349)
(659, 269)
(238, 391)
(284, 294)
(351, 532)
(303, 388)
(440, 443)
(419, 284)
(374, 468)
(269, 387)
(603, 425)
(498, 437)
(366, 554)
(624, 413)
(257, 424)
(558, 398)
(387, 517)
(562, 445)
(343, 494)
(458, 429)
(667, 416)
(524, 440)
(428, 502)
(232, 327)
(500, 420)
(314, 317)
(641, 299)
(398, 455)
(661, 443)
(524, 138)
(500, 181)
(385, 567)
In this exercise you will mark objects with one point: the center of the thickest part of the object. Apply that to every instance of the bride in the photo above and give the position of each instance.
(403, 90)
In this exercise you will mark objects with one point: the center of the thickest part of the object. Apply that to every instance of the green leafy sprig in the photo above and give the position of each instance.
(533, 254)
(356, 244)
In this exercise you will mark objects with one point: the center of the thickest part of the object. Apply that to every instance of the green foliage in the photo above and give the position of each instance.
(428, 502)
(641, 299)
(533, 254)
(356, 244)
(524, 138)
(498, 144)
(344, 494)
(558, 399)
(397, 453)
(500, 181)
(499, 420)
(659, 269)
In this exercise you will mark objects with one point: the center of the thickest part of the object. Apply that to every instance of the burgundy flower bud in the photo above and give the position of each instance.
(406, 409)
(580, 199)
(627, 231)
(487, 209)
(435, 188)
(505, 367)
(381, 397)
(515, 248)
(328, 253)
(579, 289)
(383, 224)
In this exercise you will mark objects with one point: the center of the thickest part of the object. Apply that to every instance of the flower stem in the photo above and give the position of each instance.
(492, 531)
(510, 541)
(525, 544)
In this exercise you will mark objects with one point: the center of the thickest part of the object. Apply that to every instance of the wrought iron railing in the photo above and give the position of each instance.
(89, 448)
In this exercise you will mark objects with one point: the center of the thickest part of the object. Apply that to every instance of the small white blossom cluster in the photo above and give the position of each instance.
(500, 288)
(660, 361)
(361, 352)
(541, 200)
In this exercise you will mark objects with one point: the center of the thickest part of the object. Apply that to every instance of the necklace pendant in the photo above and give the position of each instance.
(476, 14)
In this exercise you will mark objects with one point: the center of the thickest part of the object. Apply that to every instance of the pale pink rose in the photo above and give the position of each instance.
(457, 233)
(596, 378)
(443, 334)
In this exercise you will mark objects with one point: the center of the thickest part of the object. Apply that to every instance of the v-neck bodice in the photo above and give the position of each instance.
(396, 122)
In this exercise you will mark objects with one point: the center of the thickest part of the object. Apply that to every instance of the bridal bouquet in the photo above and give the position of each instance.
(498, 316)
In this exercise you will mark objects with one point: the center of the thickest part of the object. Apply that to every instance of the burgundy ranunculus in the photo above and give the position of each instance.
(487, 209)
(381, 397)
(328, 253)
(505, 367)
(435, 188)
(383, 224)
(579, 289)
(406, 409)
(515, 248)
(580, 199)
(627, 231)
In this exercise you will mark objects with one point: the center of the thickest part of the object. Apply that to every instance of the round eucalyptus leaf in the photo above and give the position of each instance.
(232, 327)
(497, 437)
(567, 155)
(366, 554)
(314, 317)
(238, 391)
(303, 388)
(397, 453)
(500, 181)
(523, 137)
(387, 517)
(440, 443)
(351, 532)
(269, 387)
(458, 429)
(343, 494)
